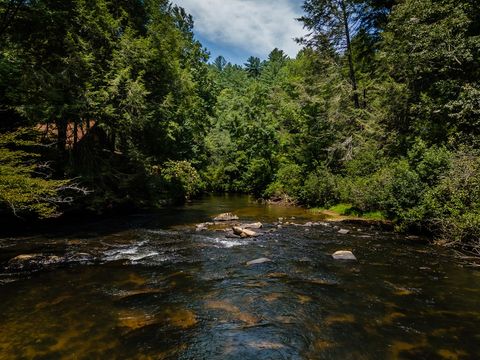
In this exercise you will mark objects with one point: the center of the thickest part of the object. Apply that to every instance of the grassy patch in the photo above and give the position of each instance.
(349, 210)
(343, 209)
(374, 215)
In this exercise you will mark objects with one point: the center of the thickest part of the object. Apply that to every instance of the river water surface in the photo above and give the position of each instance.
(153, 287)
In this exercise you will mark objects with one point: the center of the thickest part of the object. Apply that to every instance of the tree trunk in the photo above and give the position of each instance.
(75, 131)
(113, 140)
(353, 79)
(61, 125)
(61, 136)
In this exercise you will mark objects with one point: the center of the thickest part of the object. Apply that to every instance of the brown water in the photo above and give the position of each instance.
(151, 287)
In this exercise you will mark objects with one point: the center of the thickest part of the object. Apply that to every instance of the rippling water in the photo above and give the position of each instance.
(152, 287)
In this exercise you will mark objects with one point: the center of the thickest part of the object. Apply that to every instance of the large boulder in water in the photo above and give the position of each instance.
(343, 255)
(225, 217)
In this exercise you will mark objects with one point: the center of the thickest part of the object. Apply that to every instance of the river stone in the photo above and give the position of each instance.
(249, 233)
(243, 232)
(25, 257)
(237, 230)
(33, 261)
(256, 225)
(258, 261)
(225, 217)
(343, 255)
(343, 231)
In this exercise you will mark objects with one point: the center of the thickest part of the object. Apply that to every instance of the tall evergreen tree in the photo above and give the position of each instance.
(253, 66)
(335, 21)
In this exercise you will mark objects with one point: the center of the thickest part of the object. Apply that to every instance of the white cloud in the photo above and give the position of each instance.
(252, 26)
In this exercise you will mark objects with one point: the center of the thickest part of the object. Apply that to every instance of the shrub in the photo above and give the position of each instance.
(257, 176)
(451, 210)
(288, 181)
(180, 179)
(392, 189)
(320, 188)
(367, 160)
(429, 162)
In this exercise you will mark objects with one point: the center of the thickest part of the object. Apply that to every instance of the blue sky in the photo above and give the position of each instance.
(238, 29)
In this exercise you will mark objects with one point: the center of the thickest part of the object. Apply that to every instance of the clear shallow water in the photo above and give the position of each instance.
(151, 287)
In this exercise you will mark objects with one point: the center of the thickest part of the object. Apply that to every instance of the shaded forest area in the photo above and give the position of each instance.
(114, 104)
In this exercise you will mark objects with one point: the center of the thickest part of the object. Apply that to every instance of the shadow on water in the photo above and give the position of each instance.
(151, 287)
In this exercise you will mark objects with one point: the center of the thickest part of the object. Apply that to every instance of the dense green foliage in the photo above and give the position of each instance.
(127, 73)
(23, 186)
(380, 110)
(382, 114)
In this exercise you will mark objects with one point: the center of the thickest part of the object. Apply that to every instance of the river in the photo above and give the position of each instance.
(150, 286)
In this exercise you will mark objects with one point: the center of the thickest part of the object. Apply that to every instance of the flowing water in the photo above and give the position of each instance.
(153, 287)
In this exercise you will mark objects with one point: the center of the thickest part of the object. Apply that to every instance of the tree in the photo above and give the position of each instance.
(431, 50)
(8, 11)
(276, 60)
(253, 66)
(334, 21)
(220, 63)
(26, 186)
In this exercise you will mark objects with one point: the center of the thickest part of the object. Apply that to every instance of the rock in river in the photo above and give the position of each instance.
(225, 217)
(258, 261)
(33, 261)
(256, 225)
(243, 232)
(343, 255)
(343, 231)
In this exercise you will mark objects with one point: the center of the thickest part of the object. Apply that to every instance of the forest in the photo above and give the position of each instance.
(116, 106)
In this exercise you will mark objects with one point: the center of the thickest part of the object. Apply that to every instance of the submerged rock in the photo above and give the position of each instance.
(343, 231)
(258, 261)
(343, 255)
(203, 226)
(256, 225)
(225, 217)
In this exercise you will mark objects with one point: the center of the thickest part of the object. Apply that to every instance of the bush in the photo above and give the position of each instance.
(320, 188)
(180, 179)
(392, 189)
(288, 181)
(451, 210)
(429, 163)
(367, 160)
(257, 176)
